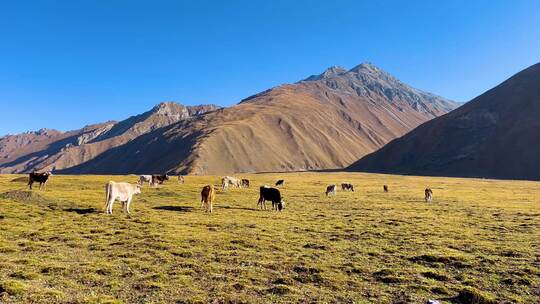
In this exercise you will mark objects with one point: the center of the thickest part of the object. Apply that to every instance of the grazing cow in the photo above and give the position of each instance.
(280, 183)
(331, 190)
(245, 183)
(347, 187)
(120, 191)
(40, 178)
(159, 179)
(385, 188)
(208, 195)
(270, 194)
(428, 195)
(180, 179)
(145, 179)
(230, 181)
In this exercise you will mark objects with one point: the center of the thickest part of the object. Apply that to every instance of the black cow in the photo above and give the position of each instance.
(385, 188)
(245, 183)
(40, 178)
(159, 179)
(273, 195)
(280, 182)
(347, 186)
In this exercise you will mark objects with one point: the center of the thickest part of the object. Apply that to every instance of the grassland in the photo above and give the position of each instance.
(479, 238)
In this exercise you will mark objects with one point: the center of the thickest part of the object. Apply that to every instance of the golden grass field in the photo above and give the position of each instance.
(477, 242)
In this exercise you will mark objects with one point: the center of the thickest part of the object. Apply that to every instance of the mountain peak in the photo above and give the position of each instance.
(368, 68)
(328, 73)
(334, 70)
(167, 108)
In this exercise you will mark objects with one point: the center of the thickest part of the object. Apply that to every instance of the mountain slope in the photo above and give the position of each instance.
(496, 135)
(326, 121)
(55, 150)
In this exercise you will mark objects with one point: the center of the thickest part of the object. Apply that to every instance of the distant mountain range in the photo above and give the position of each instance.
(496, 135)
(325, 121)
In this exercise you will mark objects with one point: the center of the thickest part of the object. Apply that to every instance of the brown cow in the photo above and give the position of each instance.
(180, 179)
(208, 195)
(245, 183)
(428, 195)
(385, 188)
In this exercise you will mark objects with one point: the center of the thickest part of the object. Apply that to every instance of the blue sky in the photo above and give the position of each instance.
(65, 64)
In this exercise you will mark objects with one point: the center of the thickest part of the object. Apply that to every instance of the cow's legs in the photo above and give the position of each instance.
(110, 205)
(128, 202)
(30, 184)
(210, 206)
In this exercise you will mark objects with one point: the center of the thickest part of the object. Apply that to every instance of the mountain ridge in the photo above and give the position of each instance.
(298, 126)
(495, 135)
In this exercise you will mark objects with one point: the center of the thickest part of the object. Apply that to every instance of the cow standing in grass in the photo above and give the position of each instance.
(270, 194)
(428, 195)
(120, 191)
(347, 187)
(159, 179)
(40, 178)
(230, 181)
(280, 183)
(245, 183)
(145, 179)
(180, 179)
(208, 195)
(385, 188)
(331, 190)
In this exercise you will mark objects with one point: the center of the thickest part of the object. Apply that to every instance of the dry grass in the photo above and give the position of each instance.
(478, 242)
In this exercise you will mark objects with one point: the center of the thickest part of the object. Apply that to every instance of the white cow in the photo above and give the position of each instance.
(120, 191)
(145, 179)
(230, 181)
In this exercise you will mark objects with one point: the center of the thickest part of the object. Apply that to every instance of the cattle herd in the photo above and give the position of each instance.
(124, 192)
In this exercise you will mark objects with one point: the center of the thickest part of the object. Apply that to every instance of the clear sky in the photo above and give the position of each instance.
(65, 64)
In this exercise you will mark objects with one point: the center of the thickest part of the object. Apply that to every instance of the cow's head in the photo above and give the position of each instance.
(281, 205)
(138, 189)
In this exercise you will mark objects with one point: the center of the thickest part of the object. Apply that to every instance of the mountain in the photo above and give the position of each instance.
(496, 135)
(55, 150)
(325, 121)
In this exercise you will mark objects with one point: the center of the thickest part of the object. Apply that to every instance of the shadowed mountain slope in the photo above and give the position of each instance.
(55, 150)
(496, 135)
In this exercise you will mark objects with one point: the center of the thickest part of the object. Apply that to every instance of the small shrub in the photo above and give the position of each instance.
(23, 275)
(388, 276)
(278, 290)
(470, 295)
(440, 290)
(12, 287)
(435, 276)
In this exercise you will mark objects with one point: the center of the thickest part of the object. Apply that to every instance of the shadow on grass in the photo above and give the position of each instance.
(175, 208)
(235, 208)
(82, 210)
